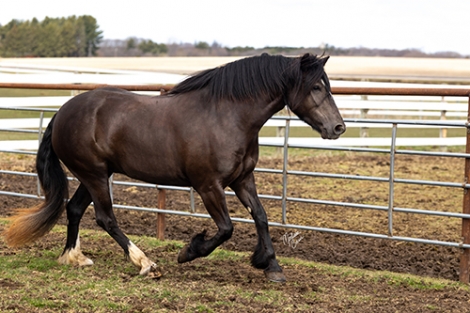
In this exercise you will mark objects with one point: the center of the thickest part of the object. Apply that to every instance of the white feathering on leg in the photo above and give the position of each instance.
(140, 259)
(75, 256)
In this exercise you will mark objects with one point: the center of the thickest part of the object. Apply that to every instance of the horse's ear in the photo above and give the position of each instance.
(306, 61)
(324, 60)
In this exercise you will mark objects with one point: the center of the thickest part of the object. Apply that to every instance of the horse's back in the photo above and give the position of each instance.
(89, 102)
(100, 107)
(120, 130)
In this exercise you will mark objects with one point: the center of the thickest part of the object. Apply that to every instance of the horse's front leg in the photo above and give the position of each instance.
(264, 256)
(213, 197)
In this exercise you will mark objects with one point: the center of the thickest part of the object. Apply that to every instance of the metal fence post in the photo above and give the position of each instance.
(191, 200)
(280, 132)
(110, 184)
(284, 173)
(391, 193)
(465, 256)
(41, 126)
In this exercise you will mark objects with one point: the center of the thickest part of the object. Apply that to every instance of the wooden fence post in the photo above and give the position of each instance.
(465, 257)
(161, 204)
(161, 217)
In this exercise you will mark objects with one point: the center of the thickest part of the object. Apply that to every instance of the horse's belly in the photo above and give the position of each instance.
(160, 179)
(155, 172)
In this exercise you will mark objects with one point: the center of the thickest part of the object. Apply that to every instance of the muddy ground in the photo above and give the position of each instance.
(359, 252)
(214, 285)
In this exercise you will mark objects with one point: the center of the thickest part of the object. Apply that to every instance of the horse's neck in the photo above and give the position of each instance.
(264, 111)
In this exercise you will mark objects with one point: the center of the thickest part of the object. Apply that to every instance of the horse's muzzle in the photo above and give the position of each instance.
(334, 132)
(339, 129)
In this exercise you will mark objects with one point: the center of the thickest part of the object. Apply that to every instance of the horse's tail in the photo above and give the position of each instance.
(31, 224)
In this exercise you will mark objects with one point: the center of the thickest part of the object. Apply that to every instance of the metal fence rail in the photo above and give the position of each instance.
(285, 172)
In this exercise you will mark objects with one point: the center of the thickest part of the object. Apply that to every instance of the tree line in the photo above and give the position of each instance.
(80, 36)
(138, 47)
(53, 37)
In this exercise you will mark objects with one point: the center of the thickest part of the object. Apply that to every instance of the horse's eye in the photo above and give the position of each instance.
(316, 88)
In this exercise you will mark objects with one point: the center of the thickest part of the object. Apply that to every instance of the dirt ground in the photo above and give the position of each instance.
(312, 290)
(358, 252)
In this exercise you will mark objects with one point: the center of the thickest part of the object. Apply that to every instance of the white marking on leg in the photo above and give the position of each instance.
(140, 259)
(75, 256)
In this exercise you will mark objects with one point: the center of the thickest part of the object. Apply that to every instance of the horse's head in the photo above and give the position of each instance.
(311, 99)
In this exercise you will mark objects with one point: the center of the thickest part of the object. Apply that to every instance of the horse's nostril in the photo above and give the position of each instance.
(339, 129)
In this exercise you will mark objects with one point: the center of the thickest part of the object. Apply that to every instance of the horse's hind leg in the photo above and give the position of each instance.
(75, 209)
(214, 201)
(264, 256)
(99, 190)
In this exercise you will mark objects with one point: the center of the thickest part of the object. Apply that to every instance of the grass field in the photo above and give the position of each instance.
(15, 92)
(33, 281)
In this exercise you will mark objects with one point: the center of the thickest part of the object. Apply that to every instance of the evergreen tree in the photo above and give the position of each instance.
(148, 46)
(93, 36)
(52, 37)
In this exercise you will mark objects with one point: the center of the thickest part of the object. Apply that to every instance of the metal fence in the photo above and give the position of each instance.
(464, 244)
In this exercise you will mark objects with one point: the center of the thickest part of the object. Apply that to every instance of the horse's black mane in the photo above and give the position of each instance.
(249, 78)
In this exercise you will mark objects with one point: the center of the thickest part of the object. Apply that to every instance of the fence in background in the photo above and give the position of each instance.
(439, 109)
(287, 143)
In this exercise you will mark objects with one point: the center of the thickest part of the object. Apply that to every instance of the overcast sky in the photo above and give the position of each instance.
(428, 25)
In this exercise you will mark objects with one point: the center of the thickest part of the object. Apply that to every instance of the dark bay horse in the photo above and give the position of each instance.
(203, 133)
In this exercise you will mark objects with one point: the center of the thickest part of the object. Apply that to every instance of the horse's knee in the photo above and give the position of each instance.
(226, 232)
(101, 222)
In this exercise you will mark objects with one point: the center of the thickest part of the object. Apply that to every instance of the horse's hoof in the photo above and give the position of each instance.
(276, 277)
(77, 259)
(151, 271)
(183, 255)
